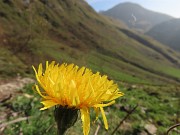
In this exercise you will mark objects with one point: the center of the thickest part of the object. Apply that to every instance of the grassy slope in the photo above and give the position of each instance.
(167, 33)
(70, 31)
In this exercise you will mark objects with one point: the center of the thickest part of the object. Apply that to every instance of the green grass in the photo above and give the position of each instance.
(10, 64)
(171, 71)
(119, 70)
(119, 75)
(156, 105)
(41, 122)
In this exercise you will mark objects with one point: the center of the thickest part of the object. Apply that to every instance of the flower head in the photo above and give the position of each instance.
(77, 88)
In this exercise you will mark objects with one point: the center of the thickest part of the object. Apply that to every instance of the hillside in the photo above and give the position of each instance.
(71, 31)
(136, 17)
(167, 33)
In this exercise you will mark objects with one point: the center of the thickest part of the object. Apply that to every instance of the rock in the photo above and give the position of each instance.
(151, 129)
(143, 133)
(126, 126)
(143, 110)
(9, 88)
(133, 86)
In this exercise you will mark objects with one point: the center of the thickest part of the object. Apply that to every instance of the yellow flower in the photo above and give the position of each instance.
(74, 87)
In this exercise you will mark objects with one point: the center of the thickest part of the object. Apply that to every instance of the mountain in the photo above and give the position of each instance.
(71, 31)
(167, 33)
(136, 17)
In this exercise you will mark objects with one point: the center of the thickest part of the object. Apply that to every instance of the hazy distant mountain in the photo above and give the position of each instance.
(167, 33)
(135, 16)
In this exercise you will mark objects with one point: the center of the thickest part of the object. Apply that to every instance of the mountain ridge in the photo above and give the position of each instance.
(136, 16)
(167, 33)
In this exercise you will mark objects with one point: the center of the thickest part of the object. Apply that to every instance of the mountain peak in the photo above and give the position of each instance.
(136, 16)
(128, 4)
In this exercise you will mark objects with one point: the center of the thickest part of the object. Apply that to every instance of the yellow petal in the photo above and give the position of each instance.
(96, 109)
(40, 69)
(48, 104)
(104, 105)
(85, 120)
(38, 90)
(47, 64)
(80, 71)
(104, 118)
(114, 96)
(36, 74)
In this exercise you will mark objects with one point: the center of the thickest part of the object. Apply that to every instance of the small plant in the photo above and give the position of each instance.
(71, 89)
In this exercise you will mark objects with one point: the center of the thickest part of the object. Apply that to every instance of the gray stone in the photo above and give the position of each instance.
(151, 129)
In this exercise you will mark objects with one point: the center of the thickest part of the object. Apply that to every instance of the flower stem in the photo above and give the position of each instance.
(65, 118)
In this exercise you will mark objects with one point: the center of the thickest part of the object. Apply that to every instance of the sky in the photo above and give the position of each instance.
(170, 7)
